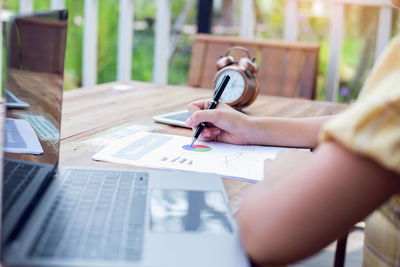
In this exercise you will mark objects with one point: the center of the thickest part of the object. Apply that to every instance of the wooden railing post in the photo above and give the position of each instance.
(291, 29)
(57, 4)
(25, 6)
(89, 53)
(125, 39)
(247, 19)
(384, 29)
(335, 48)
(161, 46)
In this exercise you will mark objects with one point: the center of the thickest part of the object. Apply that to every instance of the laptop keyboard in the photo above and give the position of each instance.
(96, 215)
(18, 176)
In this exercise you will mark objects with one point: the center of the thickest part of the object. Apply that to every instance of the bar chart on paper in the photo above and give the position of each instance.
(174, 152)
(197, 148)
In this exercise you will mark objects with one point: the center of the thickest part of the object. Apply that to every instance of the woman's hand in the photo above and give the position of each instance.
(225, 124)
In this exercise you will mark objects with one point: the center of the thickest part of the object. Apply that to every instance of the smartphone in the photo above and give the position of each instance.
(176, 118)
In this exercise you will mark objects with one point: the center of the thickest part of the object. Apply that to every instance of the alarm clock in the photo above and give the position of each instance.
(242, 88)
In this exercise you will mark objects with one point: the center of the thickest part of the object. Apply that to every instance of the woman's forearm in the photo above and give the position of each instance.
(292, 132)
(310, 207)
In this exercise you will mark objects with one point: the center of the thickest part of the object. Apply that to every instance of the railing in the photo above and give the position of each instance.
(336, 34)
(247, 30)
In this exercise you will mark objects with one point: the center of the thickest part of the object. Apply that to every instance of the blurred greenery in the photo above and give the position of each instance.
(356, 58)
(359, 39)
(143, 41)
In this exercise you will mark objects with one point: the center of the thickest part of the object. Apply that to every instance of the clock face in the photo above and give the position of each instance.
(235, 87)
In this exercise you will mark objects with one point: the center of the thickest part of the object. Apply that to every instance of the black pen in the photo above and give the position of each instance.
(214, 102)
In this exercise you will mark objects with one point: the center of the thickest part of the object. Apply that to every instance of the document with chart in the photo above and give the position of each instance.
(175, 152)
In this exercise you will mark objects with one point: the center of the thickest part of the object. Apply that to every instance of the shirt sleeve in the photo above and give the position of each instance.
(371, 126)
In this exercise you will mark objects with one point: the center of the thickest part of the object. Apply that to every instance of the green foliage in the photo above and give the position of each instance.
(142, 61)
(271, 14)
(107, 41)
(322, 67)
(73, 60)
(143, 41)
(355, 58)
(41, 4)
(145, 9)
(11, 5)
(179, 67)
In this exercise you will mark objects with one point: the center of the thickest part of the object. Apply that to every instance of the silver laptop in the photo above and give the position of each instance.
(65, 216)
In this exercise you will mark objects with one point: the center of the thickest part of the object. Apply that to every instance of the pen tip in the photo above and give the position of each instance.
(193, 140)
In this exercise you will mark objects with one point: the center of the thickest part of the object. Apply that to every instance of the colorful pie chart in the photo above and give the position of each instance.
(197, 148)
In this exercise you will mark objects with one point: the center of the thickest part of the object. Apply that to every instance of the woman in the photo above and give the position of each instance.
(309, 200)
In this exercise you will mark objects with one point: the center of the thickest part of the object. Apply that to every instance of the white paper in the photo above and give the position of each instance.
(167, 152)
(115, 134)
(21, 138)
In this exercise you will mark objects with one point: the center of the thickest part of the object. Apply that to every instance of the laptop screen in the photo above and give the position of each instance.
(34, 79)
(33, 89)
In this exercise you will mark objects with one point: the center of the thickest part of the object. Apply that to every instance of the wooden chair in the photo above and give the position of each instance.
(285, 69)
(44, 56)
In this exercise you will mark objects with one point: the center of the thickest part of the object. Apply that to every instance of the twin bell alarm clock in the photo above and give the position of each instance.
(242, 88)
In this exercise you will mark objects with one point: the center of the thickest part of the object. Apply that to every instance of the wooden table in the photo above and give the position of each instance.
(90, 111)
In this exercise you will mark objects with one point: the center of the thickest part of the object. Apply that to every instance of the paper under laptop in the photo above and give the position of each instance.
(78, 216)
(20, 137)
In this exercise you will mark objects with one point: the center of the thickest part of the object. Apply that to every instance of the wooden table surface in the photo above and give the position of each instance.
(91, 112)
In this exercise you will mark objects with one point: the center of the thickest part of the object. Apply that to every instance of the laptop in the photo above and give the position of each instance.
(74, 216)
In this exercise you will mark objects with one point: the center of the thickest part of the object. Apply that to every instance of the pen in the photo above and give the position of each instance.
(214, 102)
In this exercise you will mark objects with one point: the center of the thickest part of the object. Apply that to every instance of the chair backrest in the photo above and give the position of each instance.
(46, 55)
(285, 69)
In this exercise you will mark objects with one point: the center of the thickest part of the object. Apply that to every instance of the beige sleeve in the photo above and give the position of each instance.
(371, 126)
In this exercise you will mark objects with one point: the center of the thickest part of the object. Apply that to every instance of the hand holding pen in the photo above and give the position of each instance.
(213, 104)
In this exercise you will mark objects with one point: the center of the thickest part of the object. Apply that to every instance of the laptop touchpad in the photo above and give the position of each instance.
(189, 211)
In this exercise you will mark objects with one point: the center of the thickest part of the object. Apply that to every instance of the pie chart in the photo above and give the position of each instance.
(197, 148)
